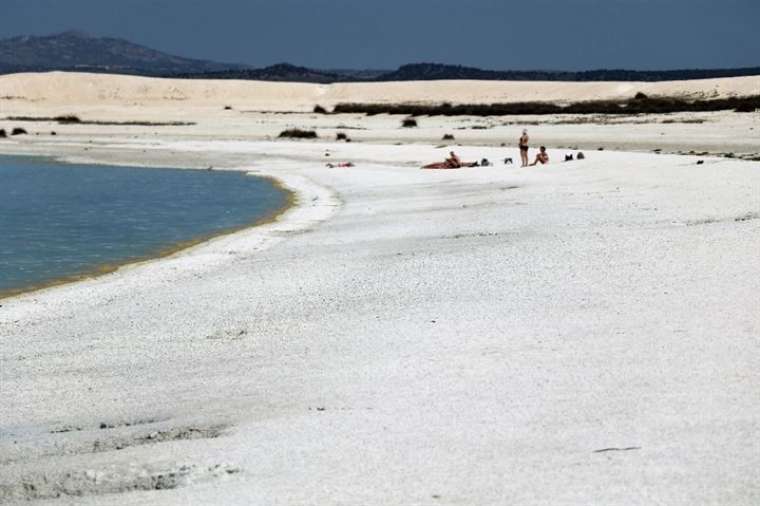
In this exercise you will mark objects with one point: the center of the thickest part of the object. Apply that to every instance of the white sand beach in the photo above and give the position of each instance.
(578, 333)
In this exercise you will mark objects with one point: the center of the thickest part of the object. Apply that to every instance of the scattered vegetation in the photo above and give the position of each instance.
(141, 123)
(75, 120)
(19, 131)
(409, 123)
(448, 137)
(640, 96)
(227, 107)
(660, 105)
(297, 133)
(347, 127)
(686, 121)
(318, 109)
(3, 134)
(341, 136)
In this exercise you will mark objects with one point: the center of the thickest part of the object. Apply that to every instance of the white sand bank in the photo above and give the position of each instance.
(445, 337)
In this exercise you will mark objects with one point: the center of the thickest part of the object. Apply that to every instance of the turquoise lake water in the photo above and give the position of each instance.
(60, 220)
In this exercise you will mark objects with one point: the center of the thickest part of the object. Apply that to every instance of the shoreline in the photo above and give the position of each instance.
(406, 334)
(182, 247)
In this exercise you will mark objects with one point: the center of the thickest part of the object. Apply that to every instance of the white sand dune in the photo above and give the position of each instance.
(580, 333)
(74, 88)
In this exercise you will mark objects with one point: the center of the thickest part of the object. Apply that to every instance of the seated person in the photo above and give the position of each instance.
(454, 161)
(542, 157)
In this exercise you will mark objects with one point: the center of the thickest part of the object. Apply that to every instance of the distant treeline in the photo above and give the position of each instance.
(433, 72)
(639, 105)
(285, 72)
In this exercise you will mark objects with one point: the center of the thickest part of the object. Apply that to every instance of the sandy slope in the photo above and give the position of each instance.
(582, 333)
(467, 337)
(72, 88)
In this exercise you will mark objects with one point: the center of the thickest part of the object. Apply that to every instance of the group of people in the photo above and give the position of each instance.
(542, 157)
(454, 162)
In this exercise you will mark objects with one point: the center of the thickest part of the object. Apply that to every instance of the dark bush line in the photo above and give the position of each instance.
(297, 133)
(70, 119)
(747, 107)
(59, 119)
(641, 105)
(140, 123)
(75, 120)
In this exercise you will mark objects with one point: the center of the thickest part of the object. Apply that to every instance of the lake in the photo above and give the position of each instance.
(63, 220)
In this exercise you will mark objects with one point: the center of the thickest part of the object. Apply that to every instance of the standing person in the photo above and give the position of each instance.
(524, 140)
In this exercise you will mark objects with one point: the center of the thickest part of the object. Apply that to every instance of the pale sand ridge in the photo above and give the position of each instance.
(71, 88)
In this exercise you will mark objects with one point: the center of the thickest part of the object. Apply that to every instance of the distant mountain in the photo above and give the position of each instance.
(279, 72)
(77, 51)
(290, 73)
(82, 52)
(359, 75)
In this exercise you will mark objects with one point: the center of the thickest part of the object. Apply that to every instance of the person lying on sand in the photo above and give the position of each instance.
(542, 157)
(452, 162)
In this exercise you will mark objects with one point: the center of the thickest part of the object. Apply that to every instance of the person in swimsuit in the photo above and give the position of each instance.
(452, 162)
(542, 157)
(524, 139)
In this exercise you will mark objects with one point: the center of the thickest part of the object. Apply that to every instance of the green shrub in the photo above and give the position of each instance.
(297, 133)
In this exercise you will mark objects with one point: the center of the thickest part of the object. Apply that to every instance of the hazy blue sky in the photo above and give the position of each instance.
(501, 34)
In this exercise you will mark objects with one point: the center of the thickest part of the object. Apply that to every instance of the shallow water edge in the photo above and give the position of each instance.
(290, 201)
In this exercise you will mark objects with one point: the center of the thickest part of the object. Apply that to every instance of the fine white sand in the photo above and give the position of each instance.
(579, 333)
(72, 88)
